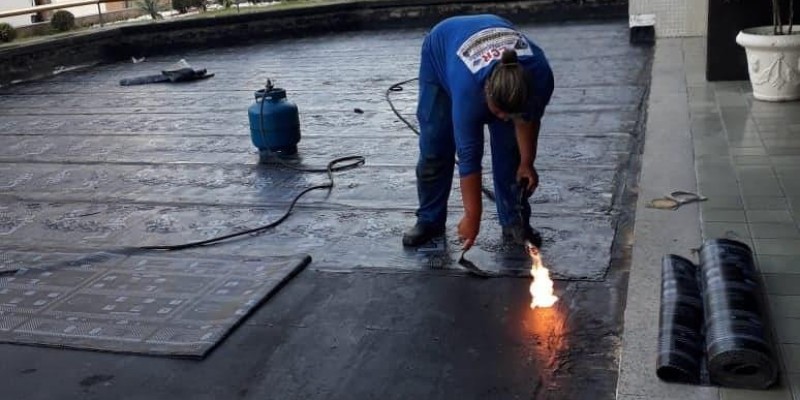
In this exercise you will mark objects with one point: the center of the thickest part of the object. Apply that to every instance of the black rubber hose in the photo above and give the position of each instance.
(398, 87)
(680, 334)
(355, 161)
(738, 343)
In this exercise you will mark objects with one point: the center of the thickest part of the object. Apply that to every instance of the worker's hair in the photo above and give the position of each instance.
(508, 85)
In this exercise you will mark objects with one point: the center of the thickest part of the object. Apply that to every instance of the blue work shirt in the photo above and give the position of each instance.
(459, 55)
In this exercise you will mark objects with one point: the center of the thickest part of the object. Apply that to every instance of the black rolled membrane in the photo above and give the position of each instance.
(680, 337)
(737, 342)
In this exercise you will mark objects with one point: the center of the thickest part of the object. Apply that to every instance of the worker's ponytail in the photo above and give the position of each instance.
(508, 85)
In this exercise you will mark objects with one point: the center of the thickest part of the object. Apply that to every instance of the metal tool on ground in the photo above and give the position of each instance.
(675, 200)
(473, 269)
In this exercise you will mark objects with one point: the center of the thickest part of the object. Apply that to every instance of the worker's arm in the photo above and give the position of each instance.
(468, 131)
(527, 129)
(527, 133)
(470, 224)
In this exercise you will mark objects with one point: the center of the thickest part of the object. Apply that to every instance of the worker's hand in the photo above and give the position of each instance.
(468, 230)
(527, 173)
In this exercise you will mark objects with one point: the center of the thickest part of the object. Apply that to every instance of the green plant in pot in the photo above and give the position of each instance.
(773, 55)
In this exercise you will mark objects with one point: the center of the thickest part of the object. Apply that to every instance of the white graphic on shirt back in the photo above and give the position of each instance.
(488, 45)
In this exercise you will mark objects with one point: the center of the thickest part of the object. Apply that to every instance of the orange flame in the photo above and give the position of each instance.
(542, 286)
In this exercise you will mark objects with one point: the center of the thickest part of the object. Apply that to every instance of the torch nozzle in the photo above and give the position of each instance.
(531, 248)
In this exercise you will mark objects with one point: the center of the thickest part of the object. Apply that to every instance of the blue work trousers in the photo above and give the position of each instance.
(435, 166)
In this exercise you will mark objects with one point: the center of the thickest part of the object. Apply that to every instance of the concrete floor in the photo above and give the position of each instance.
(743, 154)
(171, 163)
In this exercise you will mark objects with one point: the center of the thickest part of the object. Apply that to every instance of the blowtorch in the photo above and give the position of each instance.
(524, 194)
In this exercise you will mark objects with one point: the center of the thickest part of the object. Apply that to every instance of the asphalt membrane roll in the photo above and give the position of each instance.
(712, 328)
(680, 336)
(737, 339)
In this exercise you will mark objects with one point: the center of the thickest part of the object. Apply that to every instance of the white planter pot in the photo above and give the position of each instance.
(774, 62)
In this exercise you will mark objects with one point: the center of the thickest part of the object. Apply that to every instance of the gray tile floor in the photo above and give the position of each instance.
(747, 156)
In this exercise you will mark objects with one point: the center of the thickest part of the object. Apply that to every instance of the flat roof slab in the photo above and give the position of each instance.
(87, 166)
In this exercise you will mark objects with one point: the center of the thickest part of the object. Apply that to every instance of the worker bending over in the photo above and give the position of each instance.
(475, 71)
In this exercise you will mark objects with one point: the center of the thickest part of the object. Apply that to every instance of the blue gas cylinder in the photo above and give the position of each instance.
(274, 122)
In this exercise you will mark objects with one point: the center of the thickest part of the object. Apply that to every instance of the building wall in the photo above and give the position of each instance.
(674, 18)
(81, 11)
(119, 5)
(20, 20)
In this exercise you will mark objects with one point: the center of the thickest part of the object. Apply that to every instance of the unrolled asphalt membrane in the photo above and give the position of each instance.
(86, 165)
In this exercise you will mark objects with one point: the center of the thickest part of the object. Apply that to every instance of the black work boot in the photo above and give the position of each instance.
(421, 233)
(522, 233)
